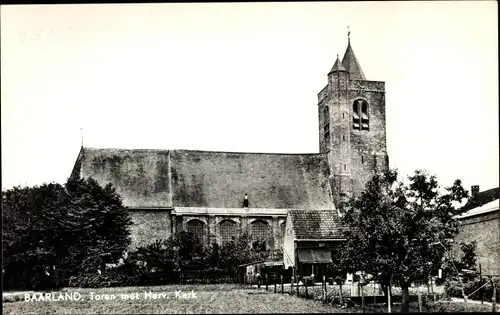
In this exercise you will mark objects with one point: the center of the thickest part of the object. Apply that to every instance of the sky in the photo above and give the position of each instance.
(244, 77)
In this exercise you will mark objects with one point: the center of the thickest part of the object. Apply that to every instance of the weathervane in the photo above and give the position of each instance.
(348, 34)
(81, 131)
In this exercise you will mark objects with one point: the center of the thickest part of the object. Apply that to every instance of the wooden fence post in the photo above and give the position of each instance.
(274, 281)
(432, 290)
(494, 298)
(326, 292)
(481, 280)
(340, 293)
(297, 281)
(291, 285)
(305, 284)
(362, 297)
(419, 301)
(389, 291)
(323, 288)
(266, 283)
(282, 285)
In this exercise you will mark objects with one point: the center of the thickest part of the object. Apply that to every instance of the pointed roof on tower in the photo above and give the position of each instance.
(338, 66)
(351, 63)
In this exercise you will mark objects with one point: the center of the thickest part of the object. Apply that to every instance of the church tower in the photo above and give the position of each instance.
(351, 112)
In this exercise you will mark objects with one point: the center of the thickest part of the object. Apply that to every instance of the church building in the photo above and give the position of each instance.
(218, 195)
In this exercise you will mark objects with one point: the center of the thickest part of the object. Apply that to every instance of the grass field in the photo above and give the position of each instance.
(208, 299)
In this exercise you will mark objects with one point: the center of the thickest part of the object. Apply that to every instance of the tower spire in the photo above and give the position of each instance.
(348, 35)
(350, 62)
(337, 66)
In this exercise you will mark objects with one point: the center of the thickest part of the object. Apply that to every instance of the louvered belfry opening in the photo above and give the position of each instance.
(360, 117)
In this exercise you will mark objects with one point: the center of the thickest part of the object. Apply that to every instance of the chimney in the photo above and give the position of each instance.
(474, 190)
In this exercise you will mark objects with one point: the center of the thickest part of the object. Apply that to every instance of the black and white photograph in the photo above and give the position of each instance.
(250, 157)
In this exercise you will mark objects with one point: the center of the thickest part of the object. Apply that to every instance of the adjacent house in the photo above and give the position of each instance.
(312, 240)
(481, 223)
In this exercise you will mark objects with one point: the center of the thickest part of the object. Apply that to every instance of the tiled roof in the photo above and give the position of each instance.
(316, 224)
(482, 198)
(187, 178)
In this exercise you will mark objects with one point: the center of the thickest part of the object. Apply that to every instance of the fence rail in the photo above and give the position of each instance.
(356, 293)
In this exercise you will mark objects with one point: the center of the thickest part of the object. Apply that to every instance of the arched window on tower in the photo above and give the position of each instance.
(365, 121)
(260, 233)
(227, 231)
(360, 118)
(326, 123)
(196, 228)
(355, 115)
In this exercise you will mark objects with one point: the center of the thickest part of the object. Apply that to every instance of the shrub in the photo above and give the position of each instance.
(485, 293)
(453, 288)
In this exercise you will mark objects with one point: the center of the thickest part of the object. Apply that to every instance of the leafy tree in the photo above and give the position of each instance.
(396, 230)
(34, 227)
(240, 251)
(469, 257)
(259, 245)
(67, 230)
(104, 224)
(154, 264)
(465, 266)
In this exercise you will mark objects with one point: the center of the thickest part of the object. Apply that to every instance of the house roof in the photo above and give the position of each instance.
(187, 178)
(482, 198)
(352, 65)
(316, 224)
(485, 208)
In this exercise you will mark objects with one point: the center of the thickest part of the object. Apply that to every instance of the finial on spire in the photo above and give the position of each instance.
(337, 56)
(81, 131)
(348, 34)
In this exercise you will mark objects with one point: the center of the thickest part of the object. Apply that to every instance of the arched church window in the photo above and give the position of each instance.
(227, 231)
(355, 115)
(326, 123)
(364, 116)
(260, 232)
(196, 228)
(360, 118)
